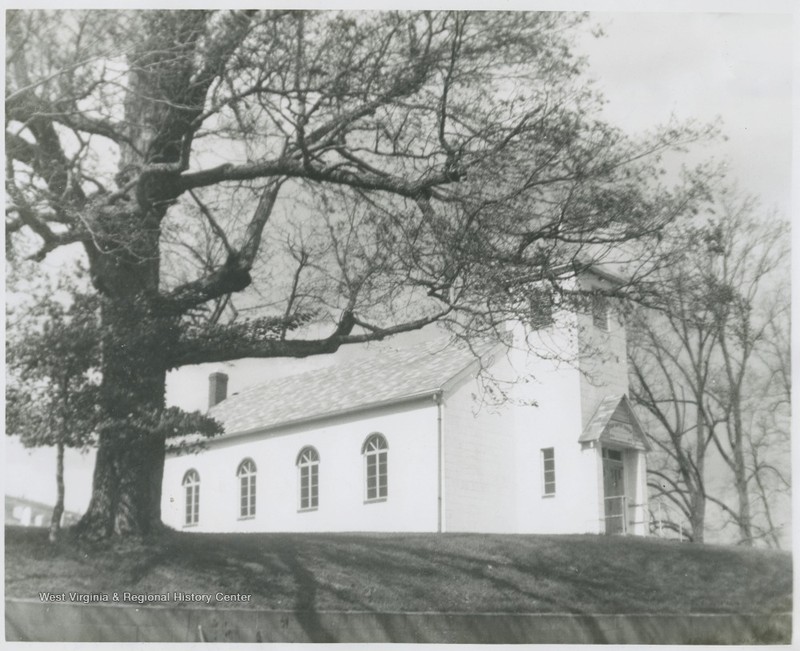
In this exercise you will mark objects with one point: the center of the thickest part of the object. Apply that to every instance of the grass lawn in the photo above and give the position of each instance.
(414, 572)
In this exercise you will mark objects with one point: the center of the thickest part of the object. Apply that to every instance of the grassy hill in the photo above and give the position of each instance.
(414, 572)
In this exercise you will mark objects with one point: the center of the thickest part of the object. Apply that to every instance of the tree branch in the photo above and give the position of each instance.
(234, 274)
(294, 168)
(223, 343)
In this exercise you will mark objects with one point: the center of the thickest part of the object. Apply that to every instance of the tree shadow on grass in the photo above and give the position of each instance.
(305, 595)
(529, 574)
(391, 563)
(450, 573)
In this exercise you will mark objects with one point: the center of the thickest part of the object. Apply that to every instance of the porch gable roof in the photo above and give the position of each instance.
(615, 422)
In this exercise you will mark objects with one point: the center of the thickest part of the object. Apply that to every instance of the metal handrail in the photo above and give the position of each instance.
(657, 514)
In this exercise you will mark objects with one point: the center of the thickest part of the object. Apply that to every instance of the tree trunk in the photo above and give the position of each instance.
(126, 493)
(698, 519)
(743, 517)
(58, 509)
(699, 496)
(740, 468)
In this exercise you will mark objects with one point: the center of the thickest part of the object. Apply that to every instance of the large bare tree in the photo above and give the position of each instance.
(670, 362)
(748, 283)
(710, 368)
(372, 171)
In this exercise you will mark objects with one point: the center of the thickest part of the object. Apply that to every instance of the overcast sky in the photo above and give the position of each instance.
(694, 64)
(737, 67)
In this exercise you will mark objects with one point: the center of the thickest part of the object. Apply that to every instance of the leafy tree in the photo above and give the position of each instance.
(51, 396)
(349, 175)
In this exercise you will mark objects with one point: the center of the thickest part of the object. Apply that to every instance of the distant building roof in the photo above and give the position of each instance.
(386, 377)
(14, 513)
(15, 500)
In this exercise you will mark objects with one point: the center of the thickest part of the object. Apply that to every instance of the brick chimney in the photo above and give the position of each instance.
(217, 388)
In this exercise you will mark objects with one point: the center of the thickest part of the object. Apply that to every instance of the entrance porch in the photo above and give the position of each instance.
(620, 443)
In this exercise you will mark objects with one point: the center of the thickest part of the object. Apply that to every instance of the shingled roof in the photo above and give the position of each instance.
(385, 377)
(615, 410)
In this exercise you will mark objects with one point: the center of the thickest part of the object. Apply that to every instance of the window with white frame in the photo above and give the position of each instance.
(247, 488)
(191, 486)
(548, 471)
(308, 469)
(376, 453)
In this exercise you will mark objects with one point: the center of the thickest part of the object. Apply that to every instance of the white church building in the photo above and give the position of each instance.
(401, 437)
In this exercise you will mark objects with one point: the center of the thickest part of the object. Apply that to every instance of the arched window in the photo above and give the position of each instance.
(247, 488)
(191, 485)
(308, 469)
(376, 454)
